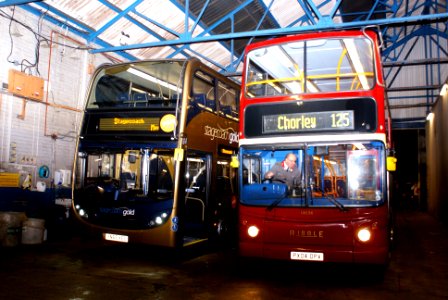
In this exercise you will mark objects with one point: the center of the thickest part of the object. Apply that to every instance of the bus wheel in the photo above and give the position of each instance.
(221, 228)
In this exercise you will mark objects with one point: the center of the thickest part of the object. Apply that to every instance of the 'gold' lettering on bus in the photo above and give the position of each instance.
(119, 121)
(302, 122)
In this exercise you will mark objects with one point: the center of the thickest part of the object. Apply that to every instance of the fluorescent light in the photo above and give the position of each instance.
(354, 56)
(153, 79)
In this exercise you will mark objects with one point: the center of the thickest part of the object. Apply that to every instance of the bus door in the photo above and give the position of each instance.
(224, 202)
(197, 183)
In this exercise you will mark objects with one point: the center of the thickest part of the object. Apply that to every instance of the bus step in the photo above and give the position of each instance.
(190, 240)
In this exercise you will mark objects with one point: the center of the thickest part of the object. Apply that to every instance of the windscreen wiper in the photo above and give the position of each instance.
(336, 203)
(275, 203)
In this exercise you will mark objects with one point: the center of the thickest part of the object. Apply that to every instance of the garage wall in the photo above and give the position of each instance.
(41, 133)
(437, 159)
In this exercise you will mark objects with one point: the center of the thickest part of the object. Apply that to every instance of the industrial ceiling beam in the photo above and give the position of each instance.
(16, 2)
(413, 88)
(280, 31)
(417, 62)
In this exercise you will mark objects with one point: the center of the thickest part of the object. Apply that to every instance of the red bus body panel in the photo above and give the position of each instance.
(324, 230)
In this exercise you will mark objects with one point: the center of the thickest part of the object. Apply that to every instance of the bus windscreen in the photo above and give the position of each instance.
(142, 84)
(297, 67)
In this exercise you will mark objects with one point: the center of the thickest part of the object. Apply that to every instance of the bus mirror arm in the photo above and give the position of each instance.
(391, 164)
(234, 163)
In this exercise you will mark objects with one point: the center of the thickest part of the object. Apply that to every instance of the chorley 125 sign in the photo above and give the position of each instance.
(310, 121)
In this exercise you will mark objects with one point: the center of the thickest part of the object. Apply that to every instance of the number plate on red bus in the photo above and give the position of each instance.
(116, 237)
(310, 256)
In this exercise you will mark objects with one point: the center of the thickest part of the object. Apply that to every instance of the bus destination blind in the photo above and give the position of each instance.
(120, 124)
(309, 121)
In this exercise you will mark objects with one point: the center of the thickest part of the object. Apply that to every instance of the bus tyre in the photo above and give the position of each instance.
(221, 228)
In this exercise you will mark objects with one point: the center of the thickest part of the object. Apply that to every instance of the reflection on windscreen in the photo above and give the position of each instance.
(321, 65)
(140, 172)
(141, 84)
(350, 173)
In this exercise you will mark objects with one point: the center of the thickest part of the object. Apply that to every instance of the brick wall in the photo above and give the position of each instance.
(34, 133)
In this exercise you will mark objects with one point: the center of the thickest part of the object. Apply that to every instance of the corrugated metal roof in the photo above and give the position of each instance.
(222, 29)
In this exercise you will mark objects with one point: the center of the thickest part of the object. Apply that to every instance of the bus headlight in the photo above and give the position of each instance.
(364, 235)
(168, 123)
(81, 212)
(158, 219)
(253, 231)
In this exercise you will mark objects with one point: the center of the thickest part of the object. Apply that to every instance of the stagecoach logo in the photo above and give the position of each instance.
(127, 121)
(117, 211)
(302, 233)
(224, 134)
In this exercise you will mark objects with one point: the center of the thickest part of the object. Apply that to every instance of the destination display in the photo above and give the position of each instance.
(309, 121)
(128, 124)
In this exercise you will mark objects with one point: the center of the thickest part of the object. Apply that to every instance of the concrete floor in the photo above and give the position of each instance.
(76, 268)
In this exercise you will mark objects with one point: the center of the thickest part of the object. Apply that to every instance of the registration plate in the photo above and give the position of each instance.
(116, 237)
(310, 256)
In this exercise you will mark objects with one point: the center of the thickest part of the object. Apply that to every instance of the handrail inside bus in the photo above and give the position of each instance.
(200, 202)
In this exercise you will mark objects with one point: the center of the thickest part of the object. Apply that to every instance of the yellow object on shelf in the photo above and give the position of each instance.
(9, 179)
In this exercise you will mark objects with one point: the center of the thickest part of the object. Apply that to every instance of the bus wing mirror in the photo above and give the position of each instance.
(234, 163)
(391, 164)
(132, 157)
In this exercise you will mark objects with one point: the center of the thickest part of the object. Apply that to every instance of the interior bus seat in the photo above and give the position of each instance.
(200, 100)
(329, 186)
(140, 99)
(226, 110)
(211, 104)
(341, 187)
(123, 96)
(194, 107)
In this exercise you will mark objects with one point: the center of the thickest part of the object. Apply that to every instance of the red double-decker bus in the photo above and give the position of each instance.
(313, 151)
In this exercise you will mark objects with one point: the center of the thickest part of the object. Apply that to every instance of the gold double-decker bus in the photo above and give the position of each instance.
(153, 154)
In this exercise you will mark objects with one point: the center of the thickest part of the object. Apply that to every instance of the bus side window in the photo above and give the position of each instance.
(204, 91)
(228, 99)
(194, 106)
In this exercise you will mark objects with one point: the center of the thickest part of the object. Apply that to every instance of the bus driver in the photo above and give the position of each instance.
(285, 171)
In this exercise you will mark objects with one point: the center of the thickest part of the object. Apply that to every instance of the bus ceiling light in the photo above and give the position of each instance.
(364, 235)
(253, 231)
(148, 77)
(354, 56)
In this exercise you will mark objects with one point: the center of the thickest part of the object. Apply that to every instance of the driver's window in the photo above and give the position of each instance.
(130, 167)
(251, 169)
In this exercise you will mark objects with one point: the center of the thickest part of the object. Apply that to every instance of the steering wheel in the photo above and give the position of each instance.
(280, 180)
